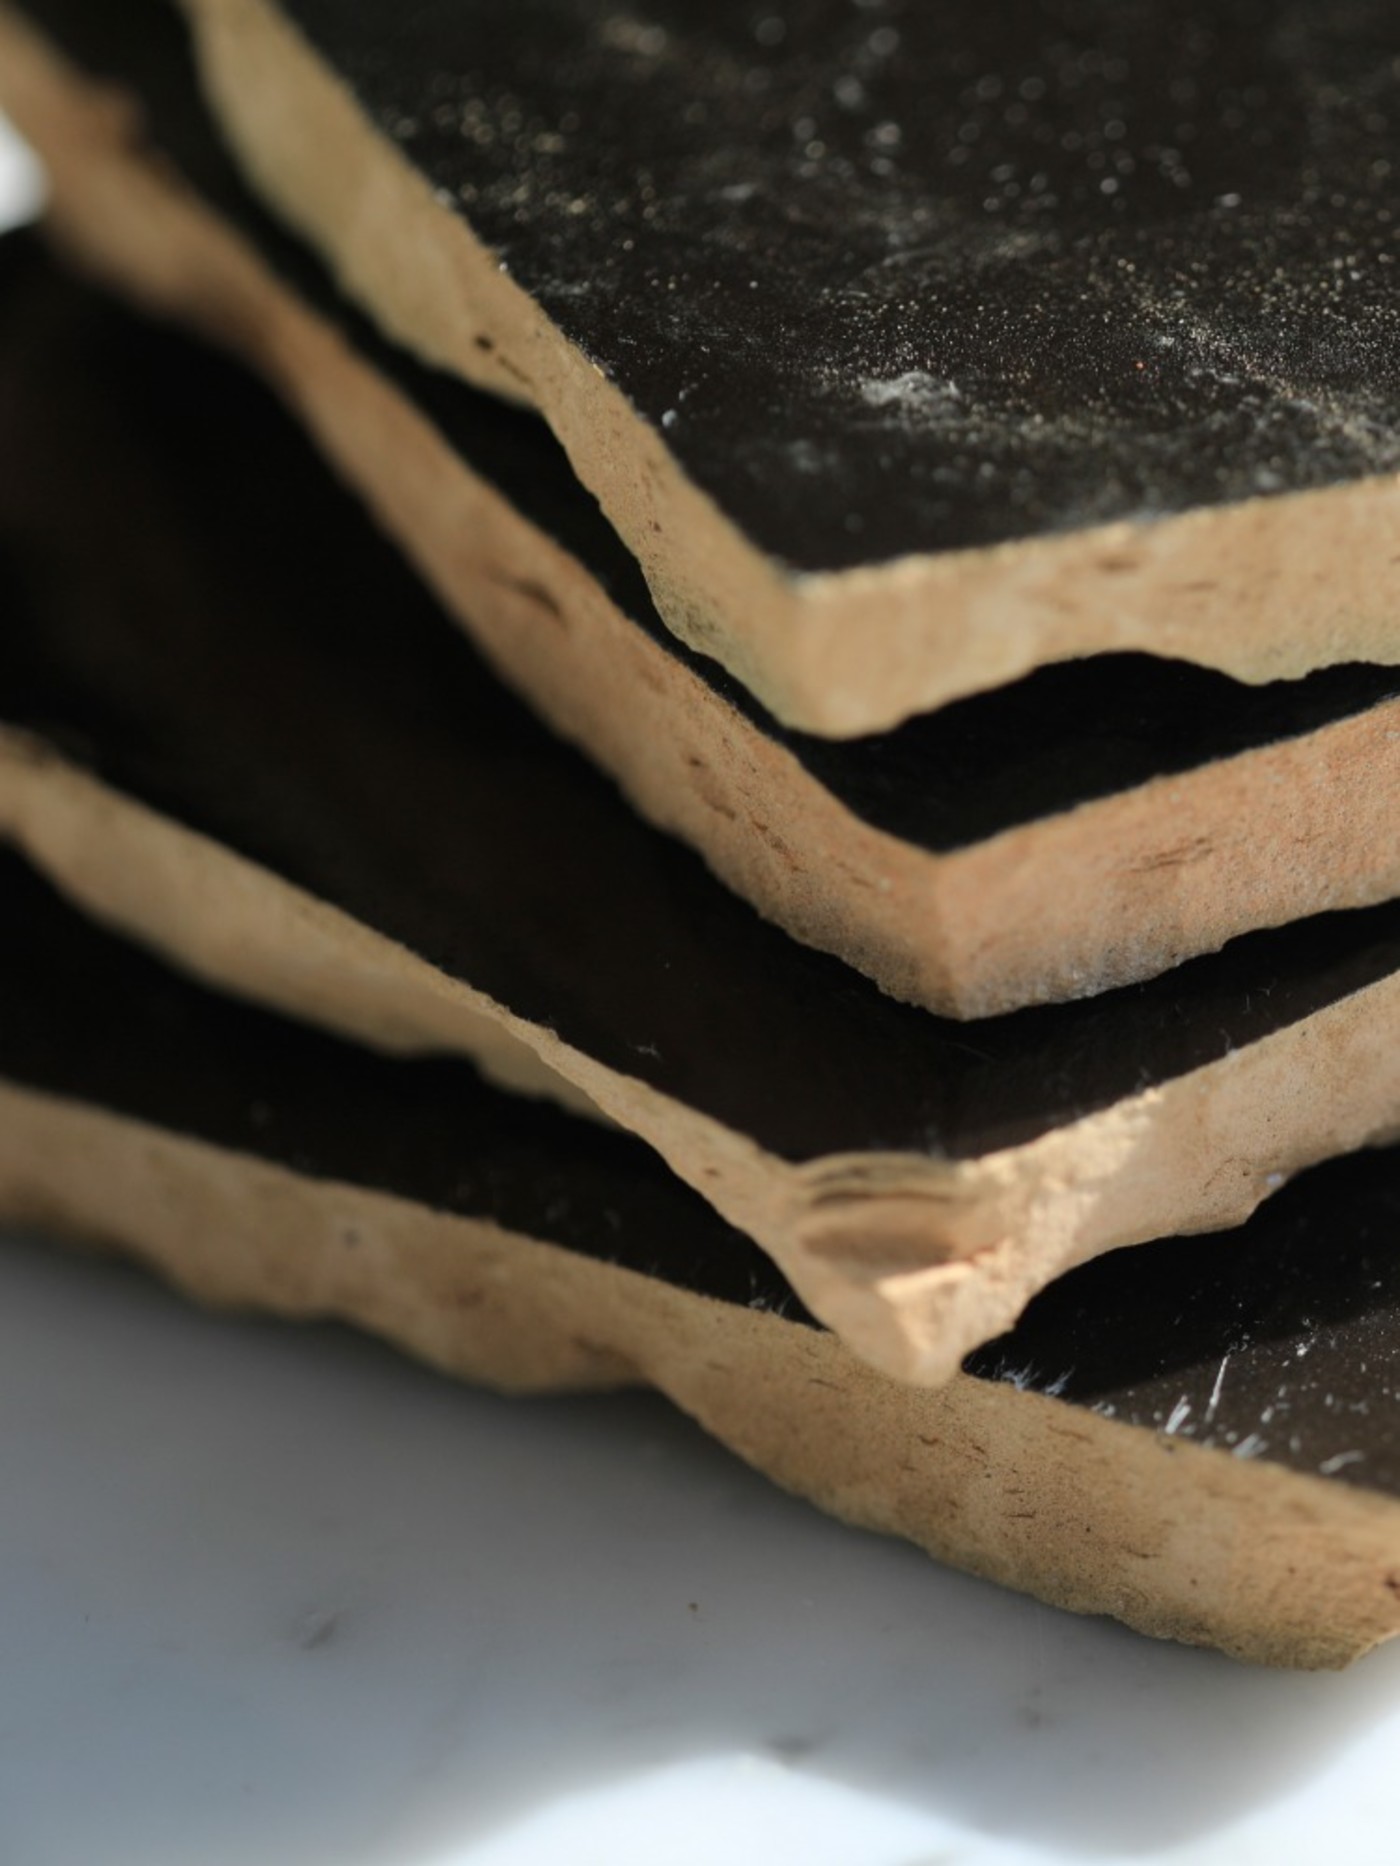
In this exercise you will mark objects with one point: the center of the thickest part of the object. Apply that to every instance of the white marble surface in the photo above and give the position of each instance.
(273, 1594)
(21, 181)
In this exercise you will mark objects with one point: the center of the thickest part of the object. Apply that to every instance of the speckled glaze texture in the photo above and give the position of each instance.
(1280, 1341)
(892, 277)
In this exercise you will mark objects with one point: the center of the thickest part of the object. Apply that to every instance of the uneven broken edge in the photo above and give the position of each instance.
(914, 1257)
(1088, 1512)
(913, 1260)
(1177, 1541)
(1264, 589)
(1176, 866)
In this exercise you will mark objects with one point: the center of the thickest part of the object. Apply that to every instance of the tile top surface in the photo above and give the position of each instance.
(893, 278)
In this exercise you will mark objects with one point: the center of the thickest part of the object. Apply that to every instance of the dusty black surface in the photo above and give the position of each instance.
(219, 633)
(1062, 736)
(896, 277)
(1280, 1341)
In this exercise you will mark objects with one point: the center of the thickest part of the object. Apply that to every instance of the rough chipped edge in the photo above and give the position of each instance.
(1208, 586)
(1179, 1541)
(913, 1260)
(1174, 867)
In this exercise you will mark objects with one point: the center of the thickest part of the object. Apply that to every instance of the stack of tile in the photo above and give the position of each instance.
(943, 477)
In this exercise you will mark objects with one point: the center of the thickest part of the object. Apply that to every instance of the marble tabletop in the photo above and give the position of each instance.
(273, 1594)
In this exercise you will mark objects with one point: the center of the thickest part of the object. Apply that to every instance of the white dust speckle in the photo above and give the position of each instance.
(915, 396)
(1330, 1466)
